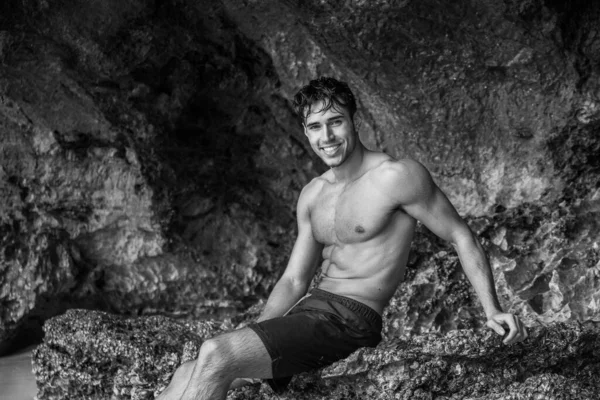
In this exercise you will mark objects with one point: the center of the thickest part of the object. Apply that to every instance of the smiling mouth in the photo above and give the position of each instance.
(330, 150)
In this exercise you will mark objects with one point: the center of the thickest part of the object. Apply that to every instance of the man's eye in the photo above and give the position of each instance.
(314, 127)
(336, 122)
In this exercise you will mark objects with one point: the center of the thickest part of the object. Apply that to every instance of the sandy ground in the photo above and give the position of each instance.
(16, 379)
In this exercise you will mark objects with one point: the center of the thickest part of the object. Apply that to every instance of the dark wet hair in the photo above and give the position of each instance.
(332, 92)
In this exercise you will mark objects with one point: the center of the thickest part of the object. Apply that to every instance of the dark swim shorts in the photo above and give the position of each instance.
(319, 330)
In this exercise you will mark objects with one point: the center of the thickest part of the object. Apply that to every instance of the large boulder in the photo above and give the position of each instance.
(94, 355)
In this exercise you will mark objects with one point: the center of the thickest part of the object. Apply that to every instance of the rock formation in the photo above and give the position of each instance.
(150, 161)
(93, 355)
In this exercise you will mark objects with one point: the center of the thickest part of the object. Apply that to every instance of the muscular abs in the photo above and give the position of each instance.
(366, 240)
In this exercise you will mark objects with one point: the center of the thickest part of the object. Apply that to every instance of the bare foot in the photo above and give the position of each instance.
(179, 382)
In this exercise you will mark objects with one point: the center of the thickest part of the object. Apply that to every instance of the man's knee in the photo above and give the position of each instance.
(215, 353)
(234, 354)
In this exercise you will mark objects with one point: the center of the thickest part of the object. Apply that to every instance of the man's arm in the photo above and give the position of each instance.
(414, 189)
(302, 263)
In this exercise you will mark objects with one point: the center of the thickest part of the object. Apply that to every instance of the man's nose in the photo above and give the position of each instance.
(327, 133)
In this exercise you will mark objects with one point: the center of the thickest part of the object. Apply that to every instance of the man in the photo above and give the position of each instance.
(356, 221)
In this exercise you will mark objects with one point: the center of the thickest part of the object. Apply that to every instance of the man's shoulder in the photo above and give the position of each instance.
(318, 182)
(400, 172)
(310, 192)
(405, 181)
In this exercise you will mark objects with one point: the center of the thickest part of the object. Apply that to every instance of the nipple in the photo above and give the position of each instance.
(359, 229)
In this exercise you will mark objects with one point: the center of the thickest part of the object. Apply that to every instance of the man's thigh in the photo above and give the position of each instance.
(313, 335)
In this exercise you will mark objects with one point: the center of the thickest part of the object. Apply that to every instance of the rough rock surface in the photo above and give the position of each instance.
(473, 90)
(487, 97)
(91, 354)
(149, 161)
(116, 193)
(94, 355)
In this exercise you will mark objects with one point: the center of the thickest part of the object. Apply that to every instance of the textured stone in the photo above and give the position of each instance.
(434, 78)
(106, 159)
(69, 197)
(152, 146)
(99, 356)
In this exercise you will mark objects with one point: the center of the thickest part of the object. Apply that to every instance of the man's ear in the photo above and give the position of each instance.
(304, 129)
(357, 122)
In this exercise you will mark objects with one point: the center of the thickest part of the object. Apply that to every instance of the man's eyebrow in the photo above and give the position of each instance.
(340, 116)
(330, 119)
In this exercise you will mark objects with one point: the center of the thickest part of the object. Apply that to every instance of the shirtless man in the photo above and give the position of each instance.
(357, 221)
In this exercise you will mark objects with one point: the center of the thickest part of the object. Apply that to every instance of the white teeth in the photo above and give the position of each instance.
(330, 150)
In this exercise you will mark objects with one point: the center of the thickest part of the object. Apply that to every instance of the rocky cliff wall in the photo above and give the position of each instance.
(150, 161)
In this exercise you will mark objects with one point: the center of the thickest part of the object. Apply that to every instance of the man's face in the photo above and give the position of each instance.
(331, 133)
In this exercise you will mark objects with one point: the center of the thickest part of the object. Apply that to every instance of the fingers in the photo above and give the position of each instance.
(496, 327)
(517, 331)
(510, 320)
(521, 333)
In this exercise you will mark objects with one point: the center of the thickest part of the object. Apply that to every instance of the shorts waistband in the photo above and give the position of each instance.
(359, 308)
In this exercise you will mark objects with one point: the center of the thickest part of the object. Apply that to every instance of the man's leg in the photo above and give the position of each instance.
(182, 376)
(237, 354)
(178, 383)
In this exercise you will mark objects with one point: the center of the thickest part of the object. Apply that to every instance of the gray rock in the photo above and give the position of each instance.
(94, 355)
(150, 162)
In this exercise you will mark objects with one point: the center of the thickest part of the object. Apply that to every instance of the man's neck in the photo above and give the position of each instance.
(353, 167)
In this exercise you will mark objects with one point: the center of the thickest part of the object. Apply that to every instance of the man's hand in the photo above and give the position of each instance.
(517, 330)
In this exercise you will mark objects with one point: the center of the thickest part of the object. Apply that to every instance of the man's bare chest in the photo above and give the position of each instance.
(350, 214)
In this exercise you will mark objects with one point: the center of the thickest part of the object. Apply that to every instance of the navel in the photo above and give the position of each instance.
(359, 229)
